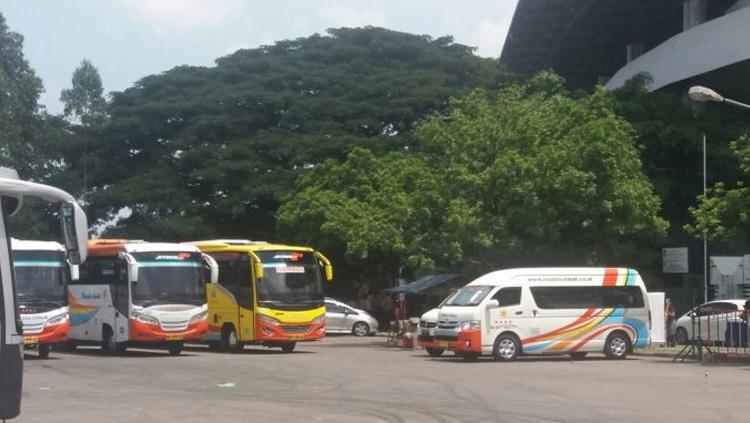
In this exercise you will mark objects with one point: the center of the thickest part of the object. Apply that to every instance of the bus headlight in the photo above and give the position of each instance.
(319, 319)
(145, 318)
(199, 317)
(56, 320)
(268, 319)
(470, 324)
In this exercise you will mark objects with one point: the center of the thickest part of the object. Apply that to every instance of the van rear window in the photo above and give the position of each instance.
(567, 297)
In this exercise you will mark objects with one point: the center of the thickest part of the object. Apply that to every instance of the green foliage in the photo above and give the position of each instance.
(723, 214)
(531, 176)
(85, 101)
(222, 146)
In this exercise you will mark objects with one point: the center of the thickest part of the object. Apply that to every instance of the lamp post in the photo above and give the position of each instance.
(703, 94)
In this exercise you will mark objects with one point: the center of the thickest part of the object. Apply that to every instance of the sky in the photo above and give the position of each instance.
(129, 39)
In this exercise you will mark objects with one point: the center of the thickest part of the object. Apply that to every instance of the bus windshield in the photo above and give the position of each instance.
(469, 296)
(169, 278)
(40, 277)
(290, 278)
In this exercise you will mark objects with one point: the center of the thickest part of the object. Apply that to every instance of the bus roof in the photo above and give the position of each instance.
(29, 245)
(244, 245)
(111, 247)
(500, 277)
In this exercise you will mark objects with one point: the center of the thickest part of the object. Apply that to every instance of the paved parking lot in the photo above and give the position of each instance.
(346, 379)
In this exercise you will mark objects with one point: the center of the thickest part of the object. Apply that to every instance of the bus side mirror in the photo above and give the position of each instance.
(75, 272)
(132, 267)
(493, 303)
(75, 231)
(212, 268)
(11, 205)
(329, 272)
(258, 270)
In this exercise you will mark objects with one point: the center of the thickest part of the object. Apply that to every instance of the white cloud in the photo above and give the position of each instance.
(182, 16)
(350, 15)
(488, 36)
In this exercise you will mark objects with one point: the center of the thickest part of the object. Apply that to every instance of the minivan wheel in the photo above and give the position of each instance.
(617, 346)
(434, 352)
(506, 348)
(361, 329)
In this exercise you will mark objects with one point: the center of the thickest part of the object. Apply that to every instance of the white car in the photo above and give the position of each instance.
(709, 320)
(342, 318)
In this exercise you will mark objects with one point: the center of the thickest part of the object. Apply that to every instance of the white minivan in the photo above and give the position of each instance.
(547, 311)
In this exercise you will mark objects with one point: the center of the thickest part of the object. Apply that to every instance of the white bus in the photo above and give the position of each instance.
(74, 228)
(547, 311)
(141, 294)
(42, 276)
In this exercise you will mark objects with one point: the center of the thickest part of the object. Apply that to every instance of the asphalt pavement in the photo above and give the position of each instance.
(348, 379)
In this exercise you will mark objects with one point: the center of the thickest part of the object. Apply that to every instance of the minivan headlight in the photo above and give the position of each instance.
(470, 324)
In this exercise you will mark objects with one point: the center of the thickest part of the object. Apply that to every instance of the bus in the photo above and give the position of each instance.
(140, 294)
(268, 294)
(42, 276)
(571, 311)
(75, 232)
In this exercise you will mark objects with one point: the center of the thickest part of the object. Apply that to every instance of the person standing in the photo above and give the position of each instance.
(669, 317)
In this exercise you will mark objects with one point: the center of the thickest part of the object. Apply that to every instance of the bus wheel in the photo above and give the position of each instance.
(43, 350)
(109, 344)
(230, 341)
(617, 345)
(506, 348)
(175, 348)
(434, 352)
(578, 355)
(288, 347)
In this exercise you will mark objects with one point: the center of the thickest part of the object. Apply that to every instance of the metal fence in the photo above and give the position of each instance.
(716, 336)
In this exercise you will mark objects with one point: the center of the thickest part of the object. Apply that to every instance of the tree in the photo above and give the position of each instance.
(84, 102)
(20, 88)
(220, 147)
(85, 107)
(528, 176)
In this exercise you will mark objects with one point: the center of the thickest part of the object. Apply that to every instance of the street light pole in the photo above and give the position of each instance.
(704, 94)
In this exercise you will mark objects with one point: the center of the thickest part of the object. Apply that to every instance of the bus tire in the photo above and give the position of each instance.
(617, 346)
(434, 352)
(109, 344)
(43, 350)
(175, 348)
(506, 348)
(230, 342)
(288, 347)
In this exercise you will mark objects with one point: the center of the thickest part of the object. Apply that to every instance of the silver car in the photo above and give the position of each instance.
(341, 318)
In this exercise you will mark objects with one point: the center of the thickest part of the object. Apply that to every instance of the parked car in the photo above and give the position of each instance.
(709, 320)
(342, 318)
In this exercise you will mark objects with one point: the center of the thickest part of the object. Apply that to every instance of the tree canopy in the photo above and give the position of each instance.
(214, 150)
(529, 176)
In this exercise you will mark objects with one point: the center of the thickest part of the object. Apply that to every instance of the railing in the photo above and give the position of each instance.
(717, 336)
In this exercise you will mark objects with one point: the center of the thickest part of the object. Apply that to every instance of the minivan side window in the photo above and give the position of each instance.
(508, 296)
(570, 297)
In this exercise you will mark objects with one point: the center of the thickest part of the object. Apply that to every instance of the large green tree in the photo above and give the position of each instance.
(212, 151)
(529, 176)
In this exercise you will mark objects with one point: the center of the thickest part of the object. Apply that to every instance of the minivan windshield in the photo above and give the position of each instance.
(469, 296)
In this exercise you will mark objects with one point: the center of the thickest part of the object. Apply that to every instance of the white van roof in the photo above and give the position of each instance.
(500, 277)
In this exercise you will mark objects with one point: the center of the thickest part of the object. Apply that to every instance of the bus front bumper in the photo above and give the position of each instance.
(289, 332)
(49, 335)
(140, 331)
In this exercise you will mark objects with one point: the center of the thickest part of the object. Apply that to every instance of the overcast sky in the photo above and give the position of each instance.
(129, 39)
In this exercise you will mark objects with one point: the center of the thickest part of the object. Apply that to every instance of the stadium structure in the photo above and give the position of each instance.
(678, 42)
